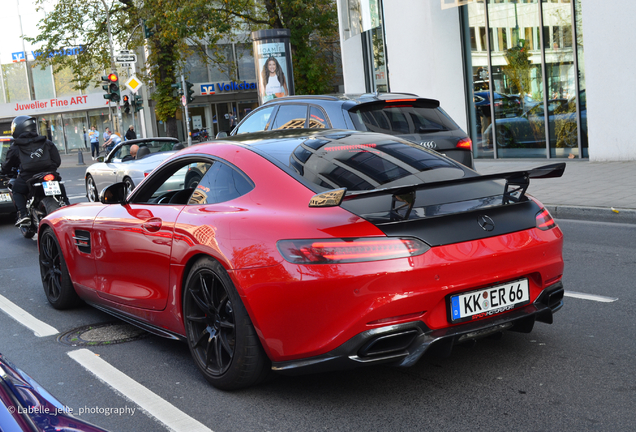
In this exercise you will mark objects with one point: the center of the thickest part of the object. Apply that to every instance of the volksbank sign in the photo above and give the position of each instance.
(20, 55)
(233, 86)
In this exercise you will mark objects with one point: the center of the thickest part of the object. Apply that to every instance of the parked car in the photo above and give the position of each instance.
(26, 406)
(6, 198)
(407, 116)
(505, 105)
(528, 130)
(311, 250)
(120, 166)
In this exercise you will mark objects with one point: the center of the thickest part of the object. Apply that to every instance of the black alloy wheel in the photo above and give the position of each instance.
(221, 337)
(56, 280)
(91, 189)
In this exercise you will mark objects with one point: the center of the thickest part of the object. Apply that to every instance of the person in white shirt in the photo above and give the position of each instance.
(274, 80)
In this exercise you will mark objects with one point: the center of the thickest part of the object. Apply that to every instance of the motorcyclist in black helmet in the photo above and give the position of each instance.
(32, 154)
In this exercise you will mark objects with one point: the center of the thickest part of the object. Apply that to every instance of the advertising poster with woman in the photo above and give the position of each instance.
(273, 66)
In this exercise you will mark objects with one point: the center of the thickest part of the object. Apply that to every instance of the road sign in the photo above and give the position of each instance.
(134, 84)
(183, 100)
(126, 58)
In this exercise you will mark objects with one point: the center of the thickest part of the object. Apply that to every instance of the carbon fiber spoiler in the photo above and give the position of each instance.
(517, 183)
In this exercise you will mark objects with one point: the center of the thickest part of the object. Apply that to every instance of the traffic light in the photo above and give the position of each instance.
(112, 87)
(178, 87)
(126, 100)
(190, 92)
(138, 103)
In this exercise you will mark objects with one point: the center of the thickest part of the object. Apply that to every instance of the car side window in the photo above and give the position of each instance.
(290, 116)
(257, 121)
(168, 186)
(317, 119)
(220, 183)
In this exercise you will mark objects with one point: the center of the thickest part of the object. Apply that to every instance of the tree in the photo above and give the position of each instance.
(178, 28)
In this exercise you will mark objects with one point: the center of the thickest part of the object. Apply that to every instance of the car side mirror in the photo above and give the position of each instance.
(100, 159)
(221, 134)
(113, 194)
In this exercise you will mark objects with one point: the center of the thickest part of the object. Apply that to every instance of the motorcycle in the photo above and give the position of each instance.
(201, 135)
(46, 194)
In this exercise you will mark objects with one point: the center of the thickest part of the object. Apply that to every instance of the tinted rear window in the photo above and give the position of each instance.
(400, 118)
(361, 161)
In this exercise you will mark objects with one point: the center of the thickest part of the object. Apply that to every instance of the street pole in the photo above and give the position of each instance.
(113, 67)
(185, 105)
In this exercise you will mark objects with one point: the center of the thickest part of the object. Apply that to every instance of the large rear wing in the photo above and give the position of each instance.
(403, 197)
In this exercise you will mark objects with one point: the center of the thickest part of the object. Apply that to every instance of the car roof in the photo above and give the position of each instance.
(141, 140)
(354, 98)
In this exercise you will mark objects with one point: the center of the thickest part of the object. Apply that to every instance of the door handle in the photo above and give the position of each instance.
(152, 225)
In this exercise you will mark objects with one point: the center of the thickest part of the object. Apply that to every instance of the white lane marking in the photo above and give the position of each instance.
(168, 414)
(40, 328)
(76, 196)
(593, 297)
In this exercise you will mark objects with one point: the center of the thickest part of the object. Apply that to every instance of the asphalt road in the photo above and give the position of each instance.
(576, 374)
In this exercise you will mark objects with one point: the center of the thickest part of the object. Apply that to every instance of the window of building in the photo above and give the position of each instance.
(245, 62)
(222, 67)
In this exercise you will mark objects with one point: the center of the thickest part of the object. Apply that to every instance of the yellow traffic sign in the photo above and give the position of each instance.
(133, 84)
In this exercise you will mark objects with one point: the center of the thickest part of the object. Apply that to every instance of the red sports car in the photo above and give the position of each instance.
(311, 250)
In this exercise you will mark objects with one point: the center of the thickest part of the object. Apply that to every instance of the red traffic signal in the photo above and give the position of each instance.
(126, 99)
(112, 77)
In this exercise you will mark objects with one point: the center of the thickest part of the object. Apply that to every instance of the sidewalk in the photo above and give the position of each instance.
(587, 190)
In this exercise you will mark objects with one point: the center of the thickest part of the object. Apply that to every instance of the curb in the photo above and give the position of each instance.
(596, 214)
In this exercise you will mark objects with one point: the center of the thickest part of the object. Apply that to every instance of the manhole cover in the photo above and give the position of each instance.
(102, 334)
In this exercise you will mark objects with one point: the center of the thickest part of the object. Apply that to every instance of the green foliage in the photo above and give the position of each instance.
(176, 29)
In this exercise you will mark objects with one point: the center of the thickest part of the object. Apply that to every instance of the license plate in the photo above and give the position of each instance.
(5, 197)
(489, 301)
(51, 188)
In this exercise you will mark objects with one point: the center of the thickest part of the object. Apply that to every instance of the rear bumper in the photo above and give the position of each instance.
(404, 344)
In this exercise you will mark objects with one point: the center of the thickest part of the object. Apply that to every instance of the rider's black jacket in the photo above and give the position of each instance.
(49, 161)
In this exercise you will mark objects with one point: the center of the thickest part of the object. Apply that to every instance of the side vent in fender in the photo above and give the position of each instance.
(83, 241)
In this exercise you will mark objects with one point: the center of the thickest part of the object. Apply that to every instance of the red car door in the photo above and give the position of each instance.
(132, 253)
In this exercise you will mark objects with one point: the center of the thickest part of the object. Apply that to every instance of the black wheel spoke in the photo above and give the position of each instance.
(203, 336)
(226, 346)
(210, 322)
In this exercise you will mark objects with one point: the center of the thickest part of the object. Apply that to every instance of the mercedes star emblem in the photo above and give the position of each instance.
(486, 223)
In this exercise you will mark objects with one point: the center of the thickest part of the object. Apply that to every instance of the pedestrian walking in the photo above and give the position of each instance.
(130, 133)
(93, 135)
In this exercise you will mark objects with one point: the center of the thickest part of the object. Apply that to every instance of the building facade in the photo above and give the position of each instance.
(223, 93)
(517, 75)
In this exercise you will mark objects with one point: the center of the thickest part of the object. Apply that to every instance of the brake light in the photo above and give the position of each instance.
(49, 177)
(544, 220)
(336, 251)
(401, 100)
(465, 143)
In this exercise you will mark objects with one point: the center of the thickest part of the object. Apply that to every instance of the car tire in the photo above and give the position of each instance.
(220, 334)
(193, 182)
(91, 189)
(56, 280)
(129, 185)
(504, 137)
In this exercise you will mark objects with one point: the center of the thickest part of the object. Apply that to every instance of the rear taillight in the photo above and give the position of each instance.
(544, 220)
(336, 251)
(49, 177)
(465, 143)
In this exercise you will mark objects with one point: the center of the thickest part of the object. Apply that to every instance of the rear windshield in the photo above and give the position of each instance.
(398, 118)
(361, 161)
